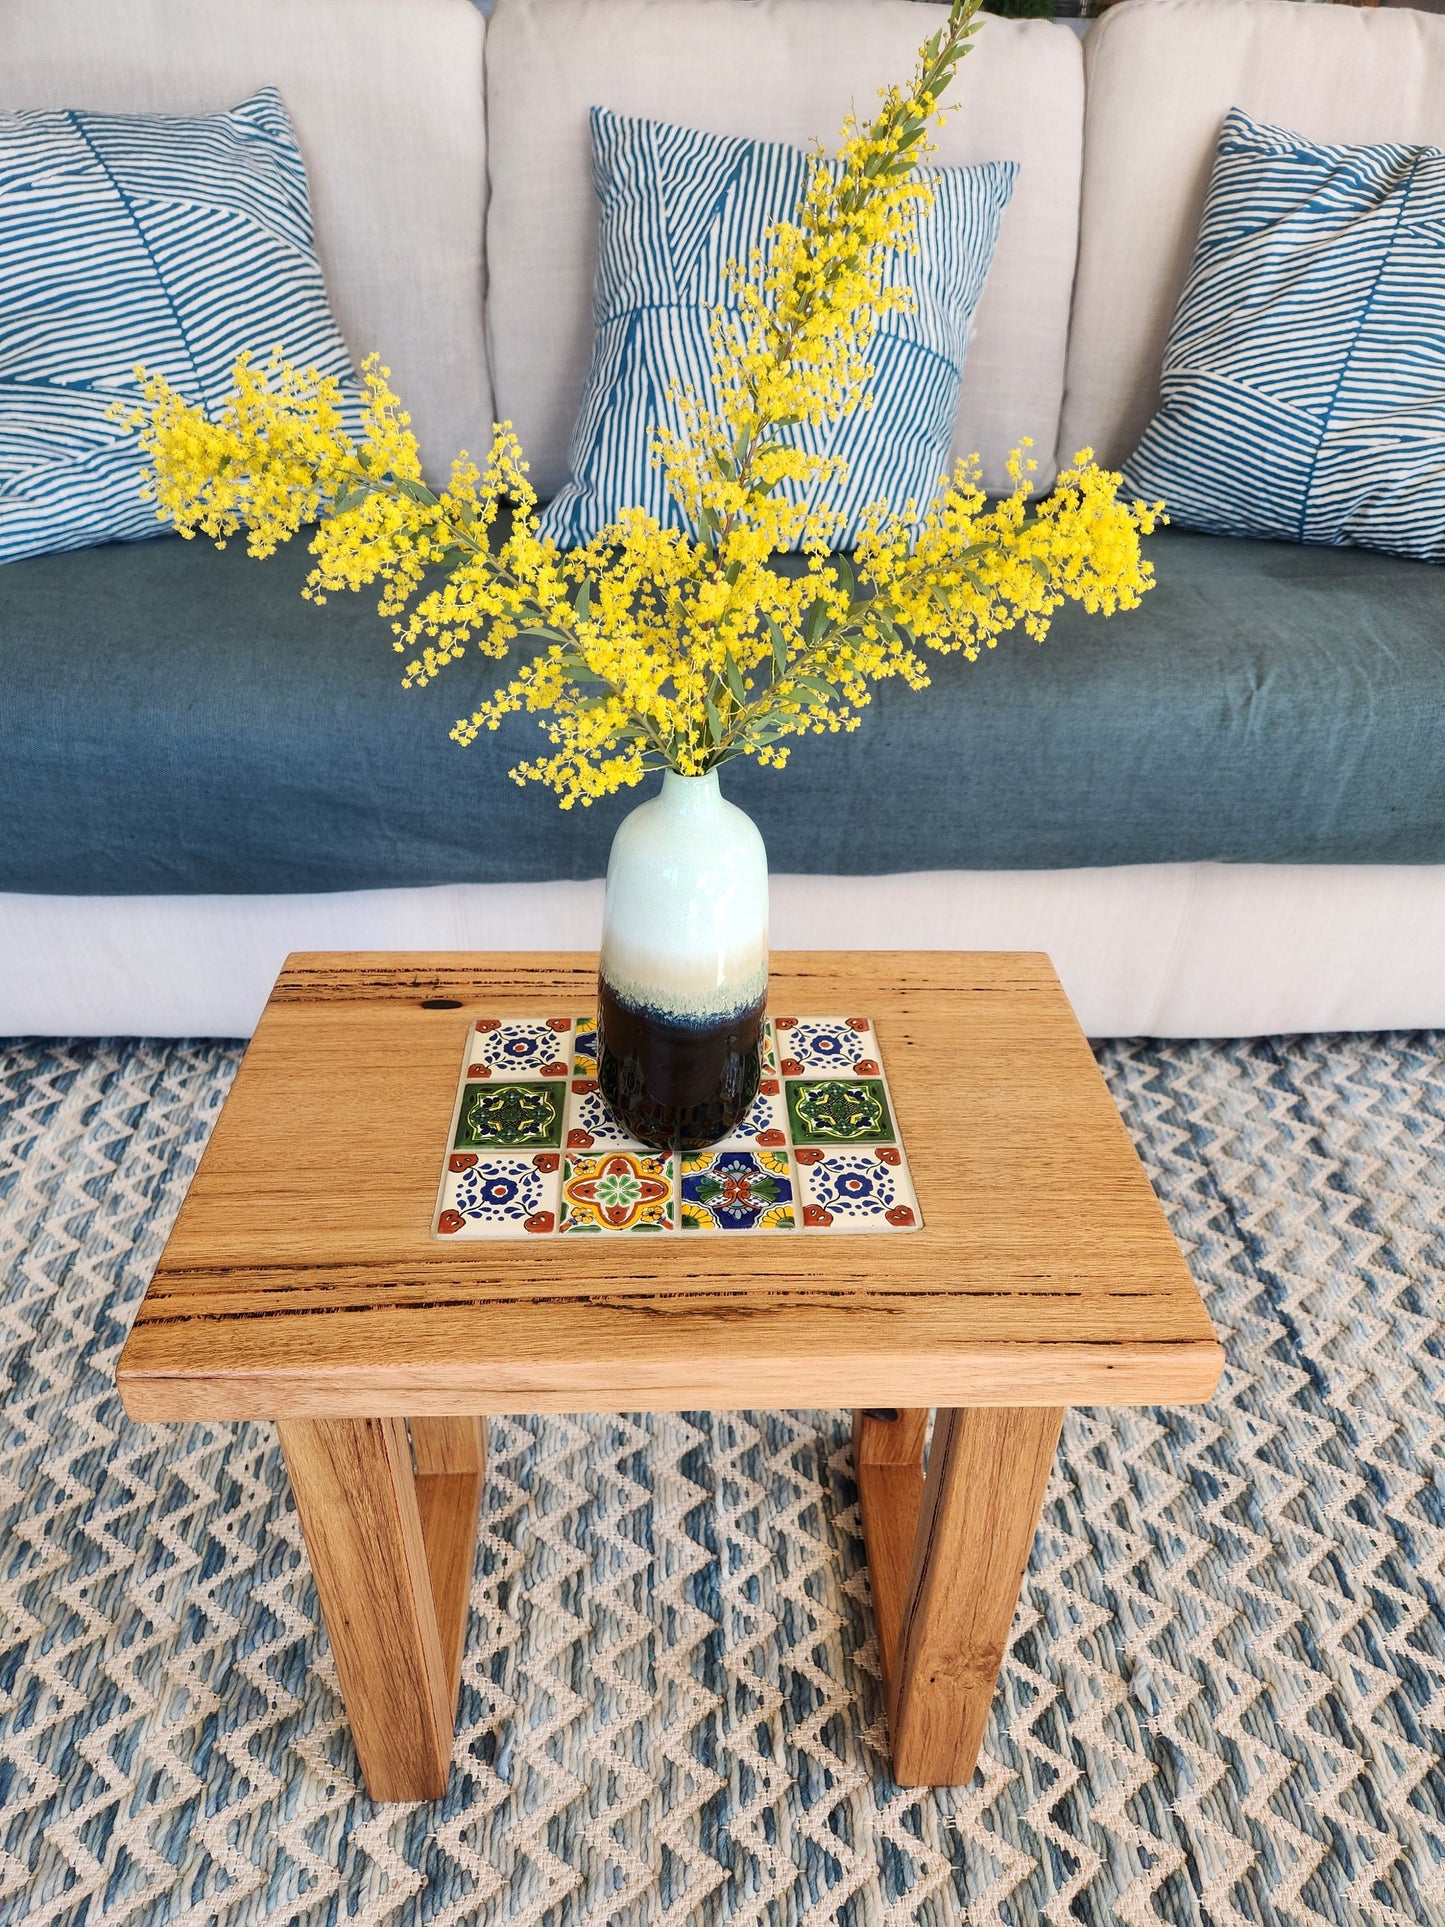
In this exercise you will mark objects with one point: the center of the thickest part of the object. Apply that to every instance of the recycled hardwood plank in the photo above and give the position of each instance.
(449, 1445)
(356, 1494)
(301, 1279)
(987, 1471)
(890, 1436)
(451, 1469)
(888, 1467)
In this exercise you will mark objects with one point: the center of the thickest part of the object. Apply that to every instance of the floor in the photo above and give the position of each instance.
(1224, 1699)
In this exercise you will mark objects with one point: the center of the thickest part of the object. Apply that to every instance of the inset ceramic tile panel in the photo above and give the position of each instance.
(536, 1152)
(591, 1123)
(737, 1191)
(835, 1110)
(852, 1190)
(619, 1191)
(511, 1117)
(521, 1049)
(764, 1125)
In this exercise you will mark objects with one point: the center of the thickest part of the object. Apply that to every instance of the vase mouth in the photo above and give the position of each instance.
(692, 789)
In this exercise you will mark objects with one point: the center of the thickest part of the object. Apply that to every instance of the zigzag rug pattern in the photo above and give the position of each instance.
(1224, 1699)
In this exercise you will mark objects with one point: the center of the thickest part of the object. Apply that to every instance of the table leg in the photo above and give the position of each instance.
(385, 1547)
(943, 1628)
(451, 1468)
(888, 1465)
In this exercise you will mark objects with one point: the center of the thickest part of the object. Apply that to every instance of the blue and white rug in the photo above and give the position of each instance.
(1224, 1700)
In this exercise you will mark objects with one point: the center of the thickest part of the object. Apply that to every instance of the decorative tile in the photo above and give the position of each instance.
(618, 1191)
(592, 1124)
(584, 1045)
(856, 1190)
(764, 1125)
(510, 1117)
(537, 1152)
(737, 1191)
(823, 1046)
(499, 1196)
(519, 1047)
(839, 1111)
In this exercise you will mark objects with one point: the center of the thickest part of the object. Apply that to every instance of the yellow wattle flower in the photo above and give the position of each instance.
(659, 648)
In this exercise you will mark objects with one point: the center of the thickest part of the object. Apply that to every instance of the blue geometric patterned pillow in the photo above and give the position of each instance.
(175, 242)
(1303, 394)
(676, 207)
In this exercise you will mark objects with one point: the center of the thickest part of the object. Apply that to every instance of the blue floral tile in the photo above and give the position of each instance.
(499, 1196)
(856, 1190)
(764, 1125)
(519, 1047)
(592, 1125)
(824, 1046)
(737, 1191)
(584, 1045)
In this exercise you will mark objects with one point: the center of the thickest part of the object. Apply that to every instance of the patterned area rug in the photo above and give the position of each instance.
(1223, 1701)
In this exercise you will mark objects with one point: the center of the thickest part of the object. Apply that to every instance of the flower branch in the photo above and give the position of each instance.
(655, 647)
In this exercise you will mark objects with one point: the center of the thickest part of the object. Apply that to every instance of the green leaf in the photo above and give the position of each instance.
(735, 682)
(415, 491)
(780, 649)
(815, 622)
(582, 604)
(350, 499)
(714, 721)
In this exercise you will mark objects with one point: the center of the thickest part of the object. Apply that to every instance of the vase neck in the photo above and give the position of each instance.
(690, 793)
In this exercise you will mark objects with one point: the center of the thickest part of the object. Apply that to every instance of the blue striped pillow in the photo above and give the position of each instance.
(676, 207)
(1303, 393)
(176, 242)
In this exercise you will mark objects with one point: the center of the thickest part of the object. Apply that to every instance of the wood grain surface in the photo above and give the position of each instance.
(450, 1455)
(357, 1499)
(888, 1468)
(987, 1471)
(302, 1280)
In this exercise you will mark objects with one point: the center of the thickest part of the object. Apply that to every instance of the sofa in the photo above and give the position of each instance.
(1222, 814)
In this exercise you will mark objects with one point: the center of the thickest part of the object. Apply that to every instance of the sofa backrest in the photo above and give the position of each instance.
(1161, 76)
(775, 70)
(387, 101)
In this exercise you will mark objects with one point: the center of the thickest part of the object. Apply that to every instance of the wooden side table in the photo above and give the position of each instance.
(302, 1283)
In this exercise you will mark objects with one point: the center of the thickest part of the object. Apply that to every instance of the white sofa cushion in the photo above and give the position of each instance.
(1153, 950)
(386, 99)
(1162, 74)
(783, 70)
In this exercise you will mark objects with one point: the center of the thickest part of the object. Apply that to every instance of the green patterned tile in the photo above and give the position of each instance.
(516, 1117)
(839, 1111)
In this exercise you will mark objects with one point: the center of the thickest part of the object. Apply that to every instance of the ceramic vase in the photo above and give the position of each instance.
(684, 969)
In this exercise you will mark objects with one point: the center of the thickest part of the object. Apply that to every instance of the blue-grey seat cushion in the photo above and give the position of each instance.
(175, 719)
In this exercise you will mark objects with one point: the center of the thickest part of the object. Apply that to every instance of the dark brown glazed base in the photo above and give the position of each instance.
(676, 1086)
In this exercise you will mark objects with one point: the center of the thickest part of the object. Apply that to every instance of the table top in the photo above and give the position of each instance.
(302, 1278)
